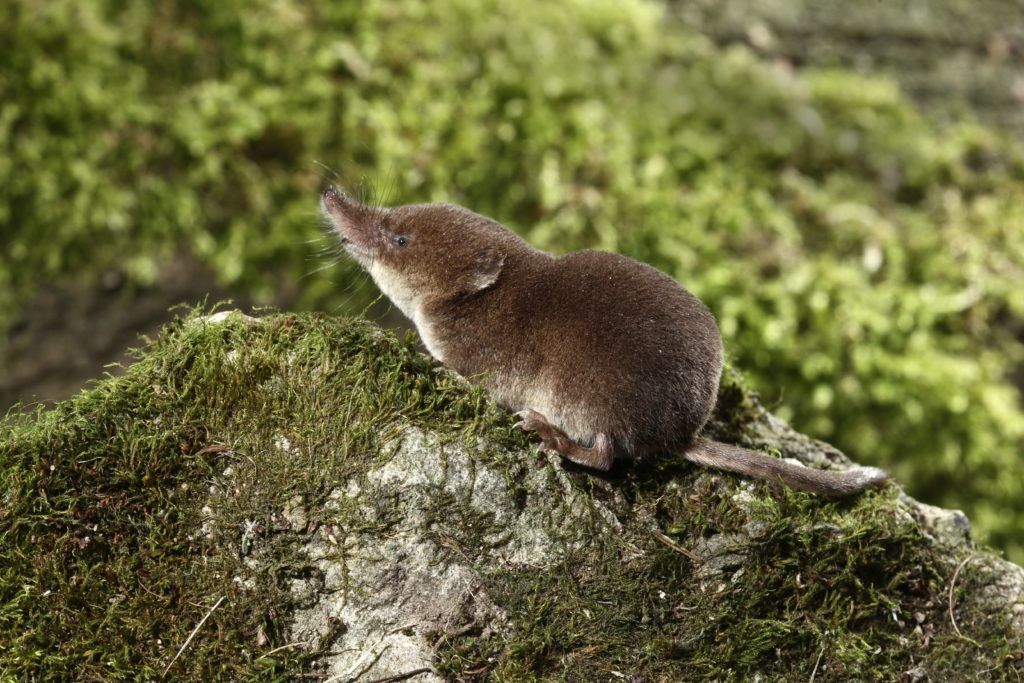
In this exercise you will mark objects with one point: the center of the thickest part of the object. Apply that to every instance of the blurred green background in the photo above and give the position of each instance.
(860, 237)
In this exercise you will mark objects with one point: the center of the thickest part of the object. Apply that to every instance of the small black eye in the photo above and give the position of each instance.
(401, 240)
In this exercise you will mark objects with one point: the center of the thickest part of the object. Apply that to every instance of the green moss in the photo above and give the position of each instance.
(132, 509)
(842, 587)
(103, 569)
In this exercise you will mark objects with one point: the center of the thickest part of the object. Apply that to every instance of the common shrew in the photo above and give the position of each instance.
(602, 356)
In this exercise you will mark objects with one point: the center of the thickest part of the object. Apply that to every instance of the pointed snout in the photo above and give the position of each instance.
(333, 201)
(343, 212)
(350, 220)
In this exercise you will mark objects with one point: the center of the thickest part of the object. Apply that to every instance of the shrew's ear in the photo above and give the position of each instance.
(485, 272)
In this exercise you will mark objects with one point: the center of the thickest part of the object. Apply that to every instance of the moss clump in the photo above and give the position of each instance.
(204, 474)
(108, 558)
(783, 584)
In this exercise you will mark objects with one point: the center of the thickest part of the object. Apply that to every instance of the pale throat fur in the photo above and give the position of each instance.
(407, 301)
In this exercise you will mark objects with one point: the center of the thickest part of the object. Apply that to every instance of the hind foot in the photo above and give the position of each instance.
(599, 456)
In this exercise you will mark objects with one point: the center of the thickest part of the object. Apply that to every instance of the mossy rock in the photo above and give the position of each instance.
(863, 260)
(306, 495)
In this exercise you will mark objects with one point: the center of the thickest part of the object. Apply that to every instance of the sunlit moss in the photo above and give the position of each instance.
(129, 511)
(104, 570)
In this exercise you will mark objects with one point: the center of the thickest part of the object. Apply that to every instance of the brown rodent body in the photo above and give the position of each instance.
(603, 356)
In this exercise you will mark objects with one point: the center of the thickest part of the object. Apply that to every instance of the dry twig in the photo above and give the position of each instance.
(192, 635)
(402, 677)
(675, 546)
(952, 617)
(816, 663)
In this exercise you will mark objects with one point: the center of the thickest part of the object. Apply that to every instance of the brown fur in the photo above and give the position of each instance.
(588, 344)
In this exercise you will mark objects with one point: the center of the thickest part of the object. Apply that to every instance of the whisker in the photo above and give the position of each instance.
(327, 168)
(319, 238)
(322, 268)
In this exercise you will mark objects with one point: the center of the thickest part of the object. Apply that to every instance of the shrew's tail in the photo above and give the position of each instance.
(745, 461)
